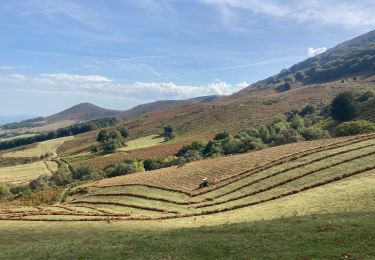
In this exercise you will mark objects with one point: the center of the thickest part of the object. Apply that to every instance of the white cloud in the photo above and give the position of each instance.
(96, 85)
(327, 12)
(311, 52)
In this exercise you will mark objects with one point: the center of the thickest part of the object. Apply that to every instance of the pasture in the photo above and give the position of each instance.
(312, 200)
(24, 173)
(143, 142)
(41, 148)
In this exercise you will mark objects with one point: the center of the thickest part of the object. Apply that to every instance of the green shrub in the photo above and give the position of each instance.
(344, 107)
(313, 133)
(86, 173)
(355, 128)
(61, 178)
(4, 189)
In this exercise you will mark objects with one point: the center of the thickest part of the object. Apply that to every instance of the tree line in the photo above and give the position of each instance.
(61, 132)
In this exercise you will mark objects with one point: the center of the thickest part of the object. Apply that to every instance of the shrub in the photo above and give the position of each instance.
(344, 107)
(124, 132)
(286, 136)
(299, 75)
(19, 190)
(194, 146)
(4, 189)
(152, 164)
(284, 87)
(221, 136)
(61, 178)
(297, 122)
(102, 136)
(213, 148)
(41, 182)
(168, 133)
(365, 96)
(126, 167)
(313, 133)
(86, 173)
(354, 128)
(307, 110)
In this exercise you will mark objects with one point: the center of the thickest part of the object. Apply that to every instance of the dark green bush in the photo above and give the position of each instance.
(344, 107)
(355, 128)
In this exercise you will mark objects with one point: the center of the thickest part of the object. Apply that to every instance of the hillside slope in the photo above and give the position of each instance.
(81, 113)
(165, 105)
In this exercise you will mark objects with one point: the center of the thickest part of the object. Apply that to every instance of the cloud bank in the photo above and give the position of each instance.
(311, 52)
(96, 85)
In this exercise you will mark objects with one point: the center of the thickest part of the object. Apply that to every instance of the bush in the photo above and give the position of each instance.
(313, 133)
(221, 136)
(213, 148)
(4, 189)
(299, 75)
(19, 190)
(168, 133)
(297, 122)
(61, 178)
(124, 168)
(355, 128)
(307, 110)
(86, 173)
(344, 107)
(284, 87)
(124, 132)
(365, 96)
(41, 182)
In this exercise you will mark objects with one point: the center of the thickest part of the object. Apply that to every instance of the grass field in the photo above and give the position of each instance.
(143, 142)
(16, 137)
(42, 148)
(328, 236)
(312, 200)
(21, 174)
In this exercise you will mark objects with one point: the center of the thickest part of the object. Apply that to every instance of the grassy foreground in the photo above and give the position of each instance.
(329, 236)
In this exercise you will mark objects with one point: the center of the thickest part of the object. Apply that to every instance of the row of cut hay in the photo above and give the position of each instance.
(120, 194)
(284, 181)
(127, 205)
(295, 191)
(356, 139)
(293, 168)
(188, 177)
(210, 199)
(281, 161)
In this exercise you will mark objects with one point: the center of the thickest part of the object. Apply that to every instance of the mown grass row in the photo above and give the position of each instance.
(142, 196)
(284, 181)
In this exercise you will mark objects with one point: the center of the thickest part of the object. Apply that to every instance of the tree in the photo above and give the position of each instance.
(307, 110)
(344, 107)
(168, 133)
(221, 136)
(299, 75)
(110, 146)
(102, 135)
(124, 132)
(297, 122)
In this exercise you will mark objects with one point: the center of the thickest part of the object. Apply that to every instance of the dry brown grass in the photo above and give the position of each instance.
(187, 177)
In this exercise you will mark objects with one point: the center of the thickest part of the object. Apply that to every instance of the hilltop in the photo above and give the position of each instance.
(82, 113)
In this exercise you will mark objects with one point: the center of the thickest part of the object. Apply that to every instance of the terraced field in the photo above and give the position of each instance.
(236, 182)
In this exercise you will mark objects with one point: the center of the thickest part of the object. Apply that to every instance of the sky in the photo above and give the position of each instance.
(121, 53)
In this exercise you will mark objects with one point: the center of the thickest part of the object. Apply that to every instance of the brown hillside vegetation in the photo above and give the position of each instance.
(237, 182)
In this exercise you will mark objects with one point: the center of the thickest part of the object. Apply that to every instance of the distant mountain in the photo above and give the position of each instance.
(351, 58)
(81, 113)
(166, 104)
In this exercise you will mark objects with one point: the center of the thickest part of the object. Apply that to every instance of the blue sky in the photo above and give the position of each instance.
(121, 53)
